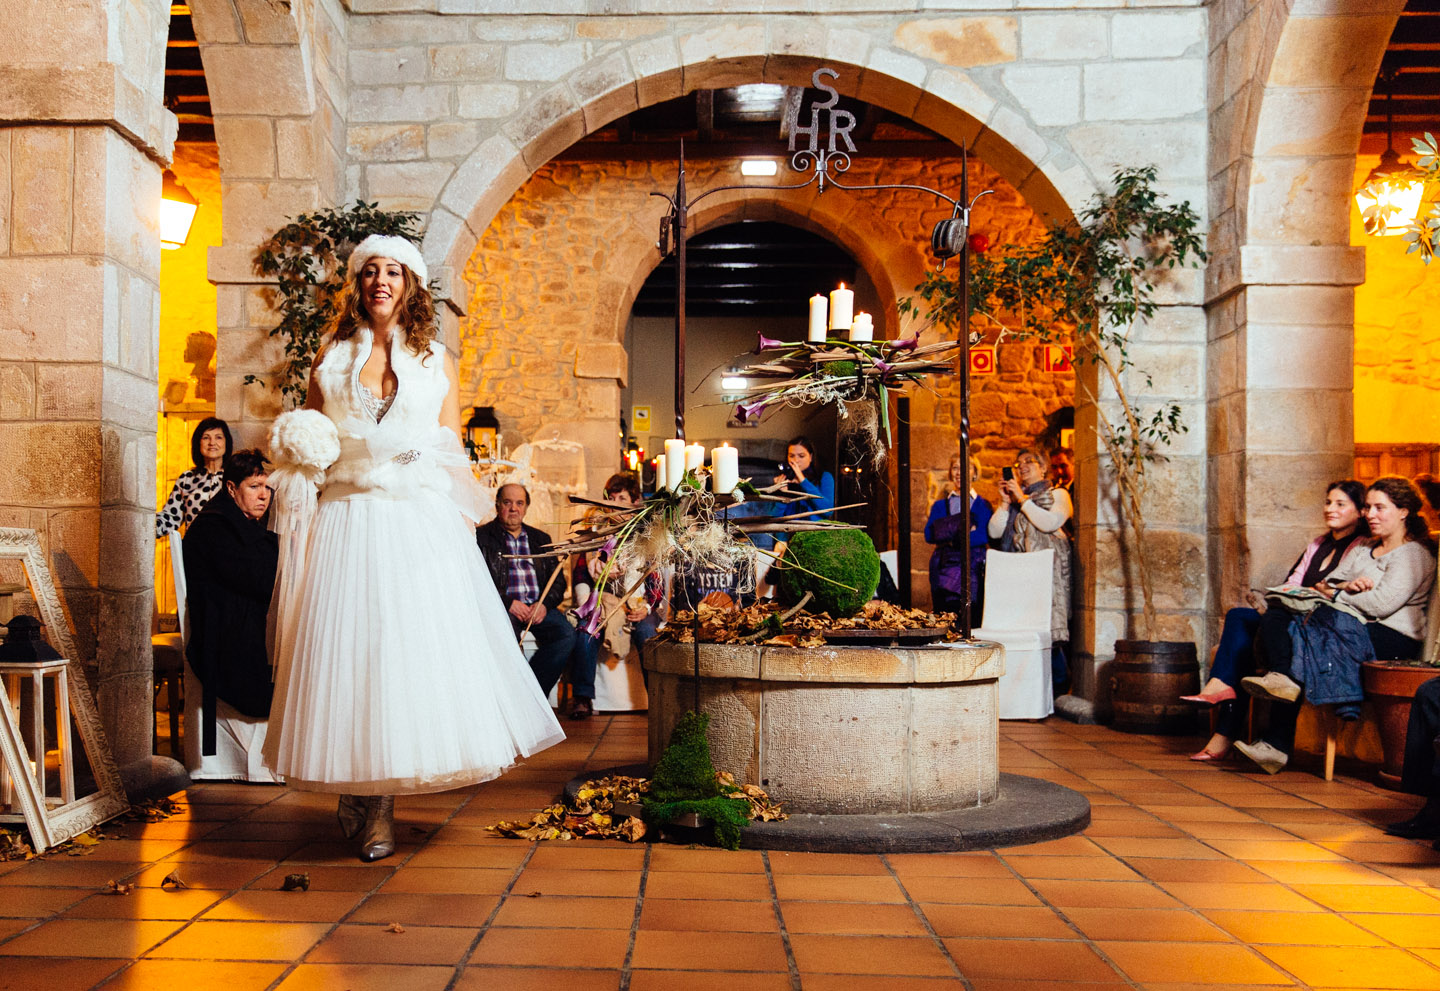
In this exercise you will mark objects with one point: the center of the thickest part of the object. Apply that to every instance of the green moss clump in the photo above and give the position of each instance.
(844, 556)
(841, 369)
(684, 781)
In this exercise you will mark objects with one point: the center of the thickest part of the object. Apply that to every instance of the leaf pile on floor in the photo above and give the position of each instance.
(593, 813)
(154, 810)
(760, 623)
(13, 846)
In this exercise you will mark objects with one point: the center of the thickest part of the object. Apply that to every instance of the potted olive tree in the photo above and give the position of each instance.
(1087, 283)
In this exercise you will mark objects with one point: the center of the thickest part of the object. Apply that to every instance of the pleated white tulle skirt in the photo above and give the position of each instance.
(405, 676)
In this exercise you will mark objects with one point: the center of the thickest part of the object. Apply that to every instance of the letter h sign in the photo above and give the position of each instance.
(839, 123)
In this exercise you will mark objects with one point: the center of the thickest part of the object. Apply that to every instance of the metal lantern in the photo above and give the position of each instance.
(37, 692)
(482, 433)
(58, 776)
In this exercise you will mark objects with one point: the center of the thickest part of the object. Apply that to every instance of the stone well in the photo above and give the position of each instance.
(841, 730)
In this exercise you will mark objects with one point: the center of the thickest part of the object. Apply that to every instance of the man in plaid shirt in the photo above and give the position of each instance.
(521, 580)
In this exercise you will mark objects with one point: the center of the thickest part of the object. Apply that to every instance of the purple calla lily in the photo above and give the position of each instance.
(882, 366)
(745, 412)
(768, 344)
(907, 344)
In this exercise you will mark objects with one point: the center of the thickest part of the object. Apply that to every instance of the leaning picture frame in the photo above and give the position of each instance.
(53, 825)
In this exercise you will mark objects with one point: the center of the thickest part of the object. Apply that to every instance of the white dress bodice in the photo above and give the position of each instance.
(403, 450)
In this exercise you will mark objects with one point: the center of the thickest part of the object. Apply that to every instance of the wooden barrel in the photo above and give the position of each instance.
(1146, 683)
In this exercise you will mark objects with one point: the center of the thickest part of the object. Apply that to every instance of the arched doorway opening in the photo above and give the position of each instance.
(558, 271)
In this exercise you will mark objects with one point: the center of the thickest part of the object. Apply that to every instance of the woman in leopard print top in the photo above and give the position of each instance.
(209, 447)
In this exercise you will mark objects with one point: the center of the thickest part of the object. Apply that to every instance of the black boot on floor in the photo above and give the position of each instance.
(1423, 825)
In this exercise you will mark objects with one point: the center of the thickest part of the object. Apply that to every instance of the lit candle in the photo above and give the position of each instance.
(819, 311)
(724, 469)
(674, 462)
(842, 308)
(863, 329)
(694, 457)
(659, 472)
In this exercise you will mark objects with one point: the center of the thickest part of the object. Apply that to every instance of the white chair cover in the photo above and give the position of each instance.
(891, 560)
(1018, 588)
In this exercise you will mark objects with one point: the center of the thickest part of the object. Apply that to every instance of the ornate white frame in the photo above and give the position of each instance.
(51, 826)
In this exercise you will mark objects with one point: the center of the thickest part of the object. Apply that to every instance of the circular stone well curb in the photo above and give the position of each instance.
(1027, 810)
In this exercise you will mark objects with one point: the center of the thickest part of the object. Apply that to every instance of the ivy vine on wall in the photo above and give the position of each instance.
(307, 257)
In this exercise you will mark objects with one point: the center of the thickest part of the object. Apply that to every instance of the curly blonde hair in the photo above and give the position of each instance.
(417, 311)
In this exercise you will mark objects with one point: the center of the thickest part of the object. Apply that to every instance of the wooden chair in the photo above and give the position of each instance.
(168, 656)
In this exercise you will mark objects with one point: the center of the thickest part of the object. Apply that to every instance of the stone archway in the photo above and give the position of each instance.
(944, 100)
(278, 159)
(1281, 293)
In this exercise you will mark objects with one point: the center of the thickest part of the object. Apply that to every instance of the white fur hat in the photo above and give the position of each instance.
(389, 246)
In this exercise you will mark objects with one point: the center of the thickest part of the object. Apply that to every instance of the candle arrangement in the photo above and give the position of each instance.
(855, 372)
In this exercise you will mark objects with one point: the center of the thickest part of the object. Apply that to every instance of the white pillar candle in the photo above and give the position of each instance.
(724, 469)
(863, 329)
(842, 308)
(694, 457)
(674, 462)
(659, 472)
(819, 312)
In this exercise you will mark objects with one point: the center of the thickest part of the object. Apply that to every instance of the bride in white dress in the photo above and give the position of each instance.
(396, 668)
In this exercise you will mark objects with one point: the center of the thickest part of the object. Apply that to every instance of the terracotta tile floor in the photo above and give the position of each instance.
(1191, 878)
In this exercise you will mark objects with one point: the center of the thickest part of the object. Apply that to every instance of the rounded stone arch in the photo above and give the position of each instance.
(272, 153)
(941, 98)
(891, 273)
(1302, 132)
(1282, 276)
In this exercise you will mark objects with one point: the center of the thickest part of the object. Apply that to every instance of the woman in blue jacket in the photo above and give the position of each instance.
(801, 475)
(943, 530)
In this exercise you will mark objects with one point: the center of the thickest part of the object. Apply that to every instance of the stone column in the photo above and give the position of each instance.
(80, 165)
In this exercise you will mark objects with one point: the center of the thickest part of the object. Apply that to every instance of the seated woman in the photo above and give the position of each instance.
(1386, 587)
(230, 561)
(943, 530)
(1346, 530)
(802, 474)
(621, 625)
(210, 445)
(1031, 517)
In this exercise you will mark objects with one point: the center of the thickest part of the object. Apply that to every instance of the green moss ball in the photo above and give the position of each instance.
(844, 556)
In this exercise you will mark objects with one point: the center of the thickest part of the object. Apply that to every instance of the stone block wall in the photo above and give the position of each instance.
(277, 80)
(79, 260)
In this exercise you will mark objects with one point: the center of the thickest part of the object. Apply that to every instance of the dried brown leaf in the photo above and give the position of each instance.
(172, 880)
(116, 888)
(296, 882)
(394, 927)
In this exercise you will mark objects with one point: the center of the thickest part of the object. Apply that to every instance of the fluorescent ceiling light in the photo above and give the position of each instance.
(733, 382)
(758, 166)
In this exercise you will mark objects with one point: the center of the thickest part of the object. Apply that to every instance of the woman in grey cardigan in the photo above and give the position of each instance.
(1386, 585)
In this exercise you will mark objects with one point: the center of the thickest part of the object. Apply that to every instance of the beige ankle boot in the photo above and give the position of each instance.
(351, 814)
(377, 839)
